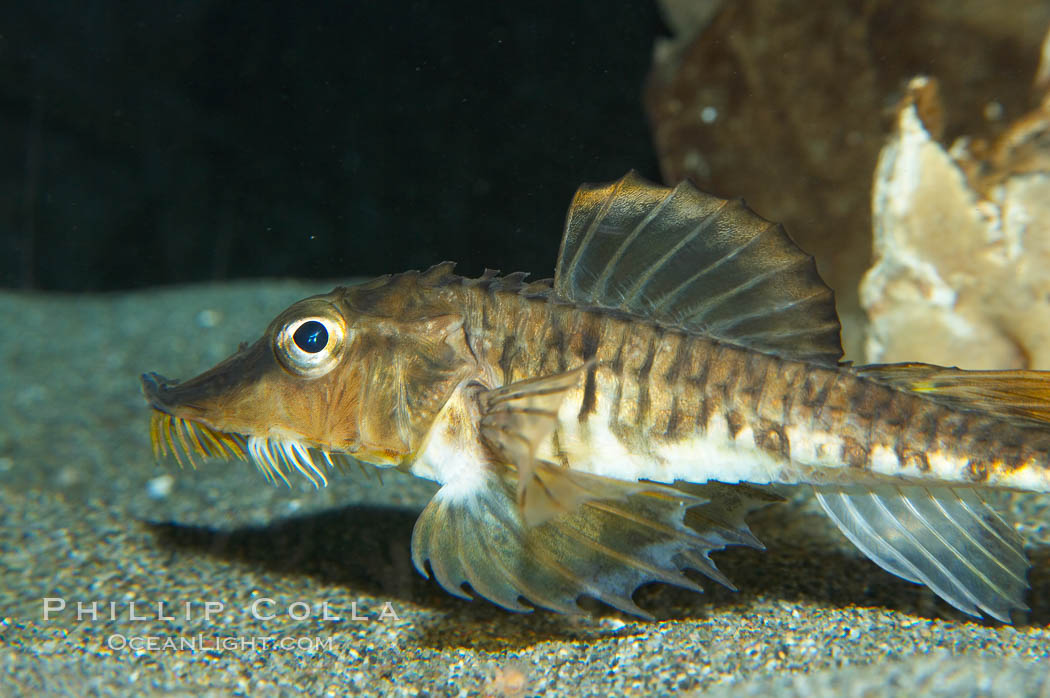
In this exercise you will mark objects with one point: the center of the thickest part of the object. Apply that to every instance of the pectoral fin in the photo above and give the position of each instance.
(623, 535)
(516, 419)
(945, 538)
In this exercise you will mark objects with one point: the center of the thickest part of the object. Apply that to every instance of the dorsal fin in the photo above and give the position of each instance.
(696, 262)
(1018, 396)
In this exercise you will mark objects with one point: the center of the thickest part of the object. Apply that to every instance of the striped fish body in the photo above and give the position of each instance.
(668, 406)
(661, 404)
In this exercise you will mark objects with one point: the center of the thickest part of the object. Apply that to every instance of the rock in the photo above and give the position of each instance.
(961, 242)
(788, 103)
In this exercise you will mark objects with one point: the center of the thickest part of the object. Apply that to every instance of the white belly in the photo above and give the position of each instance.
(713, 454)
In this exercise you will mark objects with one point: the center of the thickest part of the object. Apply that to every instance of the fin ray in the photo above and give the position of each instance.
(945, 538)
(963, 545)
(626, 534)
(693, 261)
(516, 418)
(1020, 396)
(935, 570)
(993, 525)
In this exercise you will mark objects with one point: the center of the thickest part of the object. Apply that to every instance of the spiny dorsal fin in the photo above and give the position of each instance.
(693, 261)
(1017, 396)
(627, 534)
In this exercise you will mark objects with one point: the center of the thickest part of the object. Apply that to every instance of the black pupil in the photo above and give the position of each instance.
(311, 337)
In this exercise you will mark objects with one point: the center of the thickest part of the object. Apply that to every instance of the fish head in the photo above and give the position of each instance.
(359, 372)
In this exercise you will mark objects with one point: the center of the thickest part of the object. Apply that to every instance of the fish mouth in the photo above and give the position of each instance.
(174, 431)
(158, 391)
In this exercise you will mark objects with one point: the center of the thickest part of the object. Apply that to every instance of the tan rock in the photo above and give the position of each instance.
(961, 243)
(788, 102)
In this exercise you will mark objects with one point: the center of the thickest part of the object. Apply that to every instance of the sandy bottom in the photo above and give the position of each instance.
(89, 518)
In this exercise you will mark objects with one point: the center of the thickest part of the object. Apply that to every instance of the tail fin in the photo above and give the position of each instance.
(629, 533)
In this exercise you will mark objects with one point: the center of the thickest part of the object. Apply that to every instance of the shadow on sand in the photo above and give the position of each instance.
(366, 548)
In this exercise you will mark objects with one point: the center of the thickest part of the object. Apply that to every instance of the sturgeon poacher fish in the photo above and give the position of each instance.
(614, 425)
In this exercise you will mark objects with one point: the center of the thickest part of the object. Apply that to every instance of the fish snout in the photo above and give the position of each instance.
(154, 387)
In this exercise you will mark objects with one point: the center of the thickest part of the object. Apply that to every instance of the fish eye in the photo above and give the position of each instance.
(310, 346)
(311, 337)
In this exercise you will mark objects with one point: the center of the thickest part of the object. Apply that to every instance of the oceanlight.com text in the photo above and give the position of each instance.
(119, 642)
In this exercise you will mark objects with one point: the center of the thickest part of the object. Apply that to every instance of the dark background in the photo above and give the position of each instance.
(142, 144)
